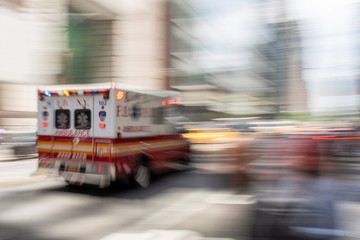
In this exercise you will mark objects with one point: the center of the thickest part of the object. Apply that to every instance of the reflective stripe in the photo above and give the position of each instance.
(63, 143)
(119, 149)
(46, 150)
(62, 148)
(151, 146)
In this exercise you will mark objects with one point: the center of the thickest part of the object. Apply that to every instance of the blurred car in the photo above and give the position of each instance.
(286, 155)
(23, 142)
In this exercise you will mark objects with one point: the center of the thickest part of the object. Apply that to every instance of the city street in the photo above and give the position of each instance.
(254, 105)
(191, 204)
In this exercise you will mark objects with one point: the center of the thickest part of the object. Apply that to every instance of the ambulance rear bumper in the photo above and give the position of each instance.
(100, 180)
(55, 168)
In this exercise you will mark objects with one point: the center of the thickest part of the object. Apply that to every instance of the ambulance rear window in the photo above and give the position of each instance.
(83, 119)
(62, 118)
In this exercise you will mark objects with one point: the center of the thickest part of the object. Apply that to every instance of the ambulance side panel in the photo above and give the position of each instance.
(144, 131)
(139, 115)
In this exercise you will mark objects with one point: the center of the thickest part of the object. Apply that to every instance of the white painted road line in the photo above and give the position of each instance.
(161, 235)
(229, 199)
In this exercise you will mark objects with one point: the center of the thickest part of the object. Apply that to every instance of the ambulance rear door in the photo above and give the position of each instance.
(73, 137)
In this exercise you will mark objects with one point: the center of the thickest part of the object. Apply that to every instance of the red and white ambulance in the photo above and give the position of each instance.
(99, 133)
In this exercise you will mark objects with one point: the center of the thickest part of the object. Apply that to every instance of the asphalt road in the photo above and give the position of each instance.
(191, 204)
(179, 205)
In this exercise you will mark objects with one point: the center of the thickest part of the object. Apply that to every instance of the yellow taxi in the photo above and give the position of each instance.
(210, 135)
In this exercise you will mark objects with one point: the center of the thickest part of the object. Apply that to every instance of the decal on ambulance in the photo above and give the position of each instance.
(45, 115)
(103, 103)
(135, 112)
(102, 115)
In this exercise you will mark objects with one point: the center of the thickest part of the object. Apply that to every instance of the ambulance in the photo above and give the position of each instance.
(100, 133)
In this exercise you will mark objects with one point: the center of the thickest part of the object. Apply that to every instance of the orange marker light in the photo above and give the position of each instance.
(66, 93)
(102, 125)
(44, 124)
(120, 95)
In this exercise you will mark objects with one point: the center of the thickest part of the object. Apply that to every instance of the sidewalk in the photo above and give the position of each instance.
(15, 171)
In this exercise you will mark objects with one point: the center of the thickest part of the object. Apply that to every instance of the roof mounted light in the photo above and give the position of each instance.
(47, 93)
(120, 95)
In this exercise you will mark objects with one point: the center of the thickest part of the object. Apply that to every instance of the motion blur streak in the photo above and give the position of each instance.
(268, 99)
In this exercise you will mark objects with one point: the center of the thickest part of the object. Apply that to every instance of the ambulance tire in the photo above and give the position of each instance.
(142, 176)
(185, 161)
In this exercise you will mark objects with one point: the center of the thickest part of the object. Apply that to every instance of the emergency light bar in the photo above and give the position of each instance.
(68, 93)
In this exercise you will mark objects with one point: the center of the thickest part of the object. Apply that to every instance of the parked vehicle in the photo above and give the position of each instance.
(23, 142)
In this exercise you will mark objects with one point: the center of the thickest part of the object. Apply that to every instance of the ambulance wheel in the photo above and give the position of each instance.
(142, 176)
(185, 161)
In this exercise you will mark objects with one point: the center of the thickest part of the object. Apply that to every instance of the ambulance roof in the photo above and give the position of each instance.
(101, 86)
